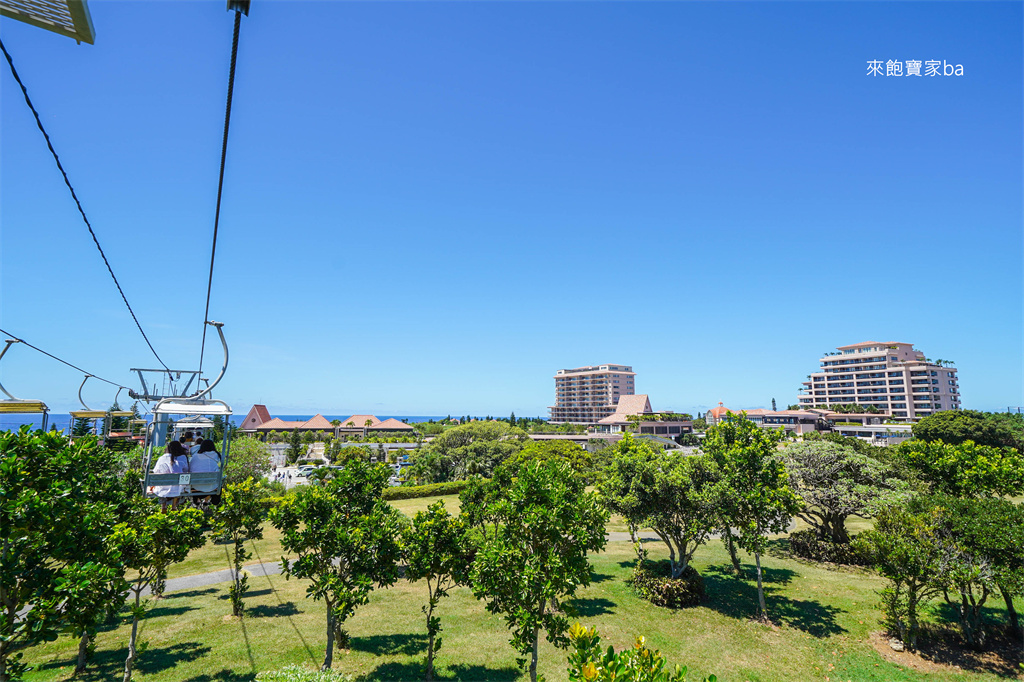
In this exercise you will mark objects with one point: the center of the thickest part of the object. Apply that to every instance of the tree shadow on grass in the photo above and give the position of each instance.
(109, 664)
(599, 577)
(188, 593)
(272, 610)
(769, 576)
(224, 675)
(588, 608)
(401, 672)
(162, 609)
(737, 598)
(406, 644)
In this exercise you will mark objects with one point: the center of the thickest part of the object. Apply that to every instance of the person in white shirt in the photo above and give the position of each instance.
(173, 461)
(207, 459)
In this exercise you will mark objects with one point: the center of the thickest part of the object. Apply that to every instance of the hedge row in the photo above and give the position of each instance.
(807, 544)
(431, 490)
(651, 581)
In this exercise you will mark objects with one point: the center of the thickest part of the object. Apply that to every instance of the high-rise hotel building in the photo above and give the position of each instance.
(586, 395)
(893, 377)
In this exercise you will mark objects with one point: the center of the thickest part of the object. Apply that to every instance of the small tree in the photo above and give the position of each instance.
(295, 450)
(753, 487)
(147, 547)
(835, 482)
(905, 549)
(436, 549)
(346, 538)
(249, 458)
(55, 517)
(670, 493)
(536, 558)
(588, 663)
(240, 517)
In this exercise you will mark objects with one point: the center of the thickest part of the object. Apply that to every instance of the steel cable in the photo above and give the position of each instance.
(74, 196)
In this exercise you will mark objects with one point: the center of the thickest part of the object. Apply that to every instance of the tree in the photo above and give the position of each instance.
(248, 458)
(81, 427)
(240, 516)
(835, 482)
(982, 541)
(773, 405)
(147, 547)
(536, 558)
(436, 549)
(670, 493)
(346, 538)
(473, 449)
(993, 429)
(56, 515)
(577, 457)
(295, 449)
(965, 469)
(753, 487)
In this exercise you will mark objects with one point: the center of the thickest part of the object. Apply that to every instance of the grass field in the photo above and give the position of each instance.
(824, 619)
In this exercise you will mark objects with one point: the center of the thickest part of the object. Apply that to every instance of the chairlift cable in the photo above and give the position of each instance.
(220, 182)
(74, 196)
(51, 355)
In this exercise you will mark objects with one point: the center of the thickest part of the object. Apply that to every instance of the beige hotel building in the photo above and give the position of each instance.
(586, 395)
(893, 377)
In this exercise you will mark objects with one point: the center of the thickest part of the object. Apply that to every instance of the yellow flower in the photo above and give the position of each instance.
(589, 671)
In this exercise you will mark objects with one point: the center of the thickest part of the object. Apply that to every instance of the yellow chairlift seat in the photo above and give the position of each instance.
(23, 407)
(89, 414)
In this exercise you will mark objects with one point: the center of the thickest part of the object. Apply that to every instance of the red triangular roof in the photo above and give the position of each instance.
(392, 423)
(318, 422)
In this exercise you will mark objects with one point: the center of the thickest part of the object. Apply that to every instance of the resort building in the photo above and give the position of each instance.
(586, 395)
(259, 422)
(892, 377)
(645, 420)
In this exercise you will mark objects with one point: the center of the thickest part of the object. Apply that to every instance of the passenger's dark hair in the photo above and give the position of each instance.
(187, 435)
(208, 446)
(175, 449)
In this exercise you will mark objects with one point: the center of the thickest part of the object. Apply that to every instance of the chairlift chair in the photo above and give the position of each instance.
(14, 405)
(194, 413)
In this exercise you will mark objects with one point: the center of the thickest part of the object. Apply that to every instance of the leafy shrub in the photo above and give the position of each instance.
(431, 490)
(807, 544)
(652, 582)
(296, 673)
(587, 663)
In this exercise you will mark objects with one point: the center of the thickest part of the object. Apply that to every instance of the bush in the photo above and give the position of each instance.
(431, 490)
(806, 544)
(651, 581)
(295, 673)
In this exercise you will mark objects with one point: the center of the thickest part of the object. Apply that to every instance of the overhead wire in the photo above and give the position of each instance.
(51, 355)
(78, 203)
(220, 182)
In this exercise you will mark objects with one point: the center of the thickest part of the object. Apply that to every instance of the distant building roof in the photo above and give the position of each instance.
(628, 405)
(277, 423)
(392, 424)
(318, 422)
(257, 415)
(359, 420)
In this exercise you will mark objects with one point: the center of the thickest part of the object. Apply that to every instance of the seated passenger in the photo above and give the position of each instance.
(206, 460)
(173, 461)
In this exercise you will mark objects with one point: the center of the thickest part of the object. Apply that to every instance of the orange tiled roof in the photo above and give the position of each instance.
(318, 422)
(392, 423)
(277, 423)
(359, 420)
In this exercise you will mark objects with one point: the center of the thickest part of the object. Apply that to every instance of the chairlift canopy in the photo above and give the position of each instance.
(67, 17)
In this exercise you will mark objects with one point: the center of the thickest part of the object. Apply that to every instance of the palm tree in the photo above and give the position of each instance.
(366, 427)
(335, 423)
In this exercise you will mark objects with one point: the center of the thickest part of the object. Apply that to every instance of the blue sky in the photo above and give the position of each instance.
(431, 207)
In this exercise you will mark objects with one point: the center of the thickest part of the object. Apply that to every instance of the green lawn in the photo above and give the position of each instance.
(824, 618)
(217, 557)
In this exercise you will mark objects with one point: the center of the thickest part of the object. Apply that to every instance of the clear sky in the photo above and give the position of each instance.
(431, 207)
